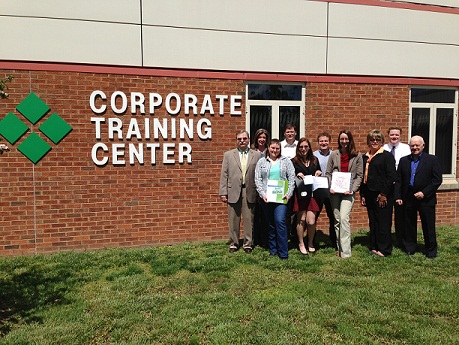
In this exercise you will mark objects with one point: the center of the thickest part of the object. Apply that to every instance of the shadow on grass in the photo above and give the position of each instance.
(25, 292)
(361, 238)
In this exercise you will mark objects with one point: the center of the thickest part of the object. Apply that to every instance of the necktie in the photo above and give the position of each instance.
(393, 151)
(243, 165)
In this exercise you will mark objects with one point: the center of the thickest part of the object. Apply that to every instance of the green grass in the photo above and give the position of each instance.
(197, 293)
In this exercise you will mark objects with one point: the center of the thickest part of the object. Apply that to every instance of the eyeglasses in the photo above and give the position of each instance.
(304, 146)
(242, 139)
(377, 140)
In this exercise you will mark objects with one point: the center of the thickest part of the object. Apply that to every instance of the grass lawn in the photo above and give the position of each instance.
(198, 293)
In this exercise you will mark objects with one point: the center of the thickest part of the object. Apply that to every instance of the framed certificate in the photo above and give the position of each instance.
(341, 182)
(276, 191)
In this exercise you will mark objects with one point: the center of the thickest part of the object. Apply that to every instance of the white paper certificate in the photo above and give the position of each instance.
(308, 179)
(276, 191)
(320, 182)
(341, 182)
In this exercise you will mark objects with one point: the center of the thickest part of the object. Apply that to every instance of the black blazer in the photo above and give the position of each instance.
(427, 179)
(310, 170)
(381, 174)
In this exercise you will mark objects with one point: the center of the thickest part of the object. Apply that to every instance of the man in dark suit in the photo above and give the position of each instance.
(419, 176)
(237, 189)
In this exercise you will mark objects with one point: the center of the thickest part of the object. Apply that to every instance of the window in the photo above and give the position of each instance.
(434, 117)
(272, 106)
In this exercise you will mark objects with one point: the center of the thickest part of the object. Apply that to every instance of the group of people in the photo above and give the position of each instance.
(392, 176)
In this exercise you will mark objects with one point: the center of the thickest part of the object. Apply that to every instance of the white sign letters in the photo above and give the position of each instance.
(133, 139)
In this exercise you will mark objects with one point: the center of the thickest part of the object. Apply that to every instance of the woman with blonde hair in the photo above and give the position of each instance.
(377, 193)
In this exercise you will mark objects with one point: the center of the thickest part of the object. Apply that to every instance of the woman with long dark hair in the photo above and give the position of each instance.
(260, 229)
(345, 159)
(260, 141)
(305, 163)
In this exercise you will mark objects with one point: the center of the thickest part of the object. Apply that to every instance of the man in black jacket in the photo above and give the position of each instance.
(419, 176)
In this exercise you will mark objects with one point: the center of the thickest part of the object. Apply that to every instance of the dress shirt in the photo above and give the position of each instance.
(414, 166)
(241, 152)
(243, 158)
(401, 150)
(288, 150)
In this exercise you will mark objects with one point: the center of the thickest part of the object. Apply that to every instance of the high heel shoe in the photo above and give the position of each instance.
(312, 250)
(302, 249)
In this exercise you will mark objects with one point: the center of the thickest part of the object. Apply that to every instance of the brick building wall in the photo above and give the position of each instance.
(359, 108)
(66, 202)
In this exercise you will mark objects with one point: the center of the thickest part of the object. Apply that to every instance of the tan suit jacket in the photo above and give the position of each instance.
(231, 176)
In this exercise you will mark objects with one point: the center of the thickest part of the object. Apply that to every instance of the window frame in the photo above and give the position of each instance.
(276, 104)
(433, 106)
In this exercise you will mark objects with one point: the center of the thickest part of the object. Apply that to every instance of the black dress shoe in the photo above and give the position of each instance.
(248, 250)
(232, 250)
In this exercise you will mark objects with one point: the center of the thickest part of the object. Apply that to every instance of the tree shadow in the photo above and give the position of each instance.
(23, 293)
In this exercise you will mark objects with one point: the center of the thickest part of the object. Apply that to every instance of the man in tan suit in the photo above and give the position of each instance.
(237, 189)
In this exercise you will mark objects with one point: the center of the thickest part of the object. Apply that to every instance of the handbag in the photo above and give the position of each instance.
(302, 190)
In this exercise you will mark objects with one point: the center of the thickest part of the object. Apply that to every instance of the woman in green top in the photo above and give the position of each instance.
(275, 167)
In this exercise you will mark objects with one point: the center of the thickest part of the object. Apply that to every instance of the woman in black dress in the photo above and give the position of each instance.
(305, 163)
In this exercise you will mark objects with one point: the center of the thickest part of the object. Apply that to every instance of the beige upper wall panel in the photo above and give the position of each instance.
(384, 58)
(298, 17)
(58, 40)
(386, 23)
(125, 11)
(235, 51)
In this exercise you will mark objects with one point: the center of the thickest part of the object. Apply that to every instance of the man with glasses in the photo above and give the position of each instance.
(288, 145)
(238, 190)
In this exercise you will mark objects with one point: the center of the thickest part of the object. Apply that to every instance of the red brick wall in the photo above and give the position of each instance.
(359, 108)
(66, 202)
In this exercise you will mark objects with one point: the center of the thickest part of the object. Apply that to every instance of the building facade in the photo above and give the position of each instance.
(120, 111)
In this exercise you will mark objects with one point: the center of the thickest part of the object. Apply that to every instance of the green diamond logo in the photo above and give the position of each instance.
(33, 108)
(55, 128)
(12, 128)
(34, 147)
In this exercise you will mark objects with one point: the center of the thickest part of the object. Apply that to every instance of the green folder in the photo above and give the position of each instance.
(276, 191)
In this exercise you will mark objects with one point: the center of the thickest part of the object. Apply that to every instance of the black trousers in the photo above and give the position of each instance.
(331, 218)
(427, 215)
(399, 220)
(260, 228)
(380, 221)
